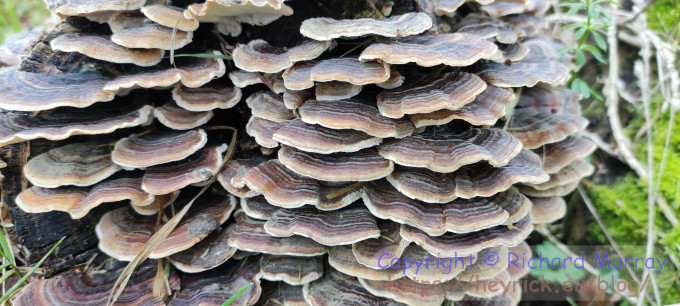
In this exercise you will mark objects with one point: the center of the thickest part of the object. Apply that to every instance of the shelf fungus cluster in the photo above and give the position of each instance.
(365, 144)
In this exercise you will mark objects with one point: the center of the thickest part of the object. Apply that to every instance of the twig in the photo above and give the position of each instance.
(610, 238)
(642, 70)
(622, 142)
(600, 143)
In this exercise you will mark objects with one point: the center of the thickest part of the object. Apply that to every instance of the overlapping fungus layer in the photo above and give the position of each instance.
(398, 147)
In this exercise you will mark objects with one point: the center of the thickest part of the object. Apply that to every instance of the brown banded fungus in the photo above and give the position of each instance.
(259, 56)
(231, 176)
(355, 115)
(364, 165)
(350, 70)
(155, 36)
(78, 201)
(284, 188)
(390, 146)
(27, 91)
(211, 252)
(169, 16)
(395, 26)
(450, 91)
(337, 227)
(487, 107)
(178, 118)
(263, 131)
(18, 127)
(336, 288)
(198, 167)
(480, 179)
(157, 147)
(462, 245)
(78, 164)
(457, 49)
(449, 7)
(122, 233)
(457, 216)
(206, 98)
(335, 90)
(450, 152)
(291, 269)
(195, 74)
(249, 235)
(318, 139)
(220, 284)
(102, 48)
(93, 286)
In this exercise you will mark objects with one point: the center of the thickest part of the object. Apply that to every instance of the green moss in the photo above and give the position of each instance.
(663, 14)
(623, 204)
(623, 208)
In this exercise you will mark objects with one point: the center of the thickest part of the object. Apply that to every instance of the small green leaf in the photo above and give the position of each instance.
(599, 41)
(231, 300)
(584, 90)
(580, 33)
(574, 9)
(574, 26)
(593, 13)
(595, 53)
(580, 57)
(596, 94)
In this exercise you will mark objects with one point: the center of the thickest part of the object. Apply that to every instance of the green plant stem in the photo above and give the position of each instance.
(7, 253)
(231, 300)
(588, 29)
(23, 279)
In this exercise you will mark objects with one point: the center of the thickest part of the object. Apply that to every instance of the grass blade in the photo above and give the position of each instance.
(23, 279)
(6, 276)
(231, 300)
(7, 252)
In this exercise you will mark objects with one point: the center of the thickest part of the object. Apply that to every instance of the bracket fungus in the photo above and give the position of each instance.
(78, 164)
(259, 56)
(93, 287)
(196, 168)
(122, 233)
(157, 147)
(27, 91)
(169, 16)
(448, 153)
(456, 49)
(318, 139)
(395, 26)
(178, 118)
(450, 91)
(355, 115)
(284, 188)
(480, 179)
(206, 98)
(102, 48)
(357, 143)
(78, 201)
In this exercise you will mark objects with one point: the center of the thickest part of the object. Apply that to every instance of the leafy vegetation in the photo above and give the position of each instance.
(584, 32)
(623, 204)
(16, 15)
(664, 16)
(9, 262)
